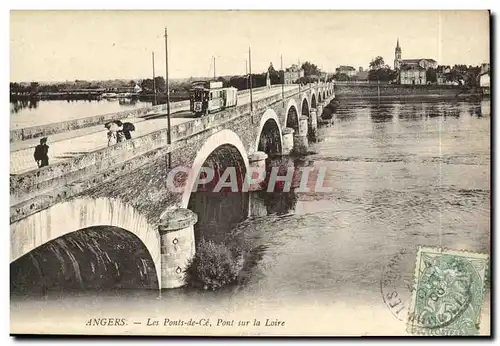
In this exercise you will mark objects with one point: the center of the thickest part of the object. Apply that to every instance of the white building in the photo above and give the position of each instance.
(292, 74)
(412, 74)
(484, 80)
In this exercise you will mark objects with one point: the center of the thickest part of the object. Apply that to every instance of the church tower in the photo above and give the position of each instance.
(397, 56)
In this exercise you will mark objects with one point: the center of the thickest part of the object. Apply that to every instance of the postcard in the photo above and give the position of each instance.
(250, 173)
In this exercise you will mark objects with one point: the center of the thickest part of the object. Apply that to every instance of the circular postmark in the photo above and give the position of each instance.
(396, 283)
(443, 292)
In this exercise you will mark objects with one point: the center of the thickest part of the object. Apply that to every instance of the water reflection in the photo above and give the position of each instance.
(385, 111)
(265, 203)
(282, 200)
(381, 112)
(485, 108)
(17, 106)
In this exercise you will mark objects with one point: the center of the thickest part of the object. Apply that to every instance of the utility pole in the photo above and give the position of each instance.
(169, 138)
(283, 80)
(250, 76)
(246, 72)
(378, 91)
(154, 82)
(214, 67)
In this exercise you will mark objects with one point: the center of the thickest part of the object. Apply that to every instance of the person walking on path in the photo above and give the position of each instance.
(41, 154)
(112, 140)
(113, 136)
(125, 128)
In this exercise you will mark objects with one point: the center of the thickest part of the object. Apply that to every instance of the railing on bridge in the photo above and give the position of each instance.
(354, 82)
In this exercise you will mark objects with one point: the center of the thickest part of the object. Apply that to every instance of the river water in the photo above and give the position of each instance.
(403, 175)
(32, 113)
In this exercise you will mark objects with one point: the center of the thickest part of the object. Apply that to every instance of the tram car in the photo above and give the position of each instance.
(208, 97)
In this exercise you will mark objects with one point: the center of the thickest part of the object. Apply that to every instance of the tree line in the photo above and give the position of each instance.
(241, 82)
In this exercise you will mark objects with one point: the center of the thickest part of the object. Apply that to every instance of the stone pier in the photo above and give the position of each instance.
(287, 141)
(177, 245)
(300, 142)
(319, 111)
(257, 167)
(313, 125)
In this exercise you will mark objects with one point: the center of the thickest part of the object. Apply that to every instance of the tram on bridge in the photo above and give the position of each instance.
(208, 97)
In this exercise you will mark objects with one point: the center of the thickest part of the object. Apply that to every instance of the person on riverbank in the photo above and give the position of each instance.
(41, 154)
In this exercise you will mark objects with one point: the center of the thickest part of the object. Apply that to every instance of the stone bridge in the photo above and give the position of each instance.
(125, 185)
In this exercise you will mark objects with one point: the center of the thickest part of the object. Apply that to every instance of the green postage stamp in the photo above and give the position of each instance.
(448, 294)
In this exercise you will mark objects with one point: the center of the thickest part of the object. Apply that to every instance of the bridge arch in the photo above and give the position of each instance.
(313, 100)
(218, 210)
(269, 135)
(224, 137)
(320, 98)
(304, 107)
(78, 214)
(292, 115)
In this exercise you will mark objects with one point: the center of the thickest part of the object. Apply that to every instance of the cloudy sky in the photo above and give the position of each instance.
(68, 45)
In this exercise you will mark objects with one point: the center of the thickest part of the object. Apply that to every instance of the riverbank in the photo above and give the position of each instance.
(404, 92)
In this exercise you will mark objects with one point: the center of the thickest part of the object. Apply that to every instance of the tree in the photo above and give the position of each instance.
(460, 67)
(160, 84)
(472, 76)
(274, 75)
(225, 82)
(383, 74)
(34, 87)
(431, 75)
(377, 63)
(341, 77)
(307, 80)
(310, 69)
(379, 71)
(147, 84)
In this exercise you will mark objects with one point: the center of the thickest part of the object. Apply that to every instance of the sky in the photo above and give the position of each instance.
(100, 45)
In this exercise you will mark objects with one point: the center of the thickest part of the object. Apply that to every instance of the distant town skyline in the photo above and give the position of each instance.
(101, 45)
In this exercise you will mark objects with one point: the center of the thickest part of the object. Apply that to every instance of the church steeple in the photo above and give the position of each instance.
(397, 55)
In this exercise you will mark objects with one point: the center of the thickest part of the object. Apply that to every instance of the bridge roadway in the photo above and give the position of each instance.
(64, 146)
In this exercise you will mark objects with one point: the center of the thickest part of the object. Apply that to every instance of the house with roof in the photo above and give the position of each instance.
(347, 70)
(293, 73)
(484, 78)
(412, 74)
(485, 67)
